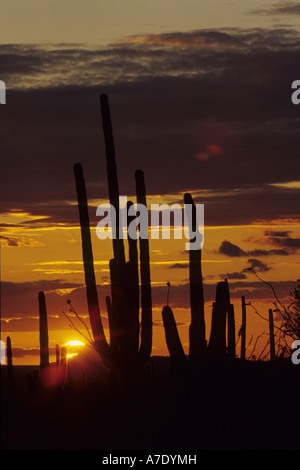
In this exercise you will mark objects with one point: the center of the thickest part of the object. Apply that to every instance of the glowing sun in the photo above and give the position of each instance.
(74, 342)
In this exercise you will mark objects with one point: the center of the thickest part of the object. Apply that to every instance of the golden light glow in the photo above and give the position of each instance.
(74, 342)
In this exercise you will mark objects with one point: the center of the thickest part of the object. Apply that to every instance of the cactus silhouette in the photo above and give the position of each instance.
(88, 264)
(230, 327)
(57, 354)
(9, 361)
(231, 332)
(44, 340)
(45, 383)
(198, 344)
(175, 348)
(272, 338)
(217, 348)
(125, 351)
(222, 311)
(50, 378)
(243, 329)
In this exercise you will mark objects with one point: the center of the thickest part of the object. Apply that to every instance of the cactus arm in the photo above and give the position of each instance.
(172, 337)
(197, 325)
(44, 340)
(88, 263)
(133, 292)
(146, 297)
(9, 361)
(230, 324)
(231, 332)
(112, 177)
(217, 340)
(272, 338)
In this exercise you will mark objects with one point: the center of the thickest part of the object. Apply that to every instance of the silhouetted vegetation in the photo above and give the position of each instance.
(123, 355)
(199, 401)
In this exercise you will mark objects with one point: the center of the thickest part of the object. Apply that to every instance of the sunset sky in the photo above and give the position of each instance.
(200, 96)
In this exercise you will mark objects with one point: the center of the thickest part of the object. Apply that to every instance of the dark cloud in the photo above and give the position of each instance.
(281, 8)
(268, 253)
(229, 249)
(9, 241)
(258, 265)
(234, 275)
(179, 266)
(175, 99)
(276, 233)
(19, 241)
(283, 240)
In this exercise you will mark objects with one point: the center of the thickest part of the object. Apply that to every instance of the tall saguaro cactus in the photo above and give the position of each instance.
(9, 361)
(88, 264)
(231, 332)
(272, 338)
(44, 340)
(125, 352)
(231, 350)
(243, 329)
(222, 315)
(217, 340)
(198, 344)
(112, 176)
(172, 337)
(146, 299)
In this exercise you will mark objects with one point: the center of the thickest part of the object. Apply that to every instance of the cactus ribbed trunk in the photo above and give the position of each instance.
(243, 330)
(231, 332)
(125, 352)
(9, 361)
(57, 355)
(174, 345)
(198, 344)
(230, 325)
(88, 263)
(112, 176)
(44, 340)
(146, 298)
(272, 339)
(217, 340)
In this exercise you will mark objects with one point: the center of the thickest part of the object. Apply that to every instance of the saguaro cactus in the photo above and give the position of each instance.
(231, 332)
(174, 345)
(123, 353)
(198, 344)
(230, 326)
(9, 361)
(88, 264)
(217, 340)
(222, 310)
(243, 329)
(44, 346)
(272, 338)
(146, 299)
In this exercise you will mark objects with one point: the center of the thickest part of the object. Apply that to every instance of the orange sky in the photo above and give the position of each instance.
(186, 108)
(54, 252)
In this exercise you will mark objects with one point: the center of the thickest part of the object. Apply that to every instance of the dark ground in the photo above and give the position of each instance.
(226, 405)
